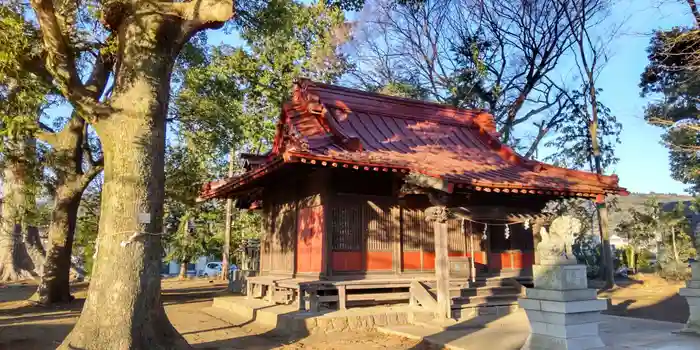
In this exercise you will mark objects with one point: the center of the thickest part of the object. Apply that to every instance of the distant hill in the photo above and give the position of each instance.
(637, 200)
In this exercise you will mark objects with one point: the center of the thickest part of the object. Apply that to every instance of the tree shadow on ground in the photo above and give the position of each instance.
(33, 336)
(275, 337)
(671, 309)
(191, 295)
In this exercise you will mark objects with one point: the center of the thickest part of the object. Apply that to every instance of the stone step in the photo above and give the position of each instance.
(491, 282)
(479, 291)
(500, 299)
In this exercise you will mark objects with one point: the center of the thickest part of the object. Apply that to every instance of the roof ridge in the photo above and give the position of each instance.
(478, 116)
(485, 127)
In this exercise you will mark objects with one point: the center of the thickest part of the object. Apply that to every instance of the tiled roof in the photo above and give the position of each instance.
(337, 126)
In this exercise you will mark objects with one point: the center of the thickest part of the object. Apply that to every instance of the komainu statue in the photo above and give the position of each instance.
(555, 244)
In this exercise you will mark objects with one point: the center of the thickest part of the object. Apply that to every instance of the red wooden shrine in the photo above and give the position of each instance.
(332, 189)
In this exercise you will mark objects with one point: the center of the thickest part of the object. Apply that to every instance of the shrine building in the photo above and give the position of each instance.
(354, 184)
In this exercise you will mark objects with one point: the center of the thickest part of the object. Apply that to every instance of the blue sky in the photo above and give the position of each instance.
(643, 165)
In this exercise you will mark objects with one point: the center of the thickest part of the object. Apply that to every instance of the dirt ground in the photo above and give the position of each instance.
(647, 296)
(25, 326)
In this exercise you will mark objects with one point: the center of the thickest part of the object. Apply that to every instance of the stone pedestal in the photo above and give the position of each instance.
(563, 313)
(692, 295)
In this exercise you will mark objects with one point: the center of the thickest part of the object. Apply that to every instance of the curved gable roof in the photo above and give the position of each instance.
(337, 126)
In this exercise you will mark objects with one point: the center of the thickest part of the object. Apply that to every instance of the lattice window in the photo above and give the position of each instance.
(345, 225)
(411, 229)
(378, 226)
(417, 232)
(355, 225)
(455, 236)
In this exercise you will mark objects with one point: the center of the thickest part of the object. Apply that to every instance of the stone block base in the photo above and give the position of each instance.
(544, 342)
(692, 296)
(563, 313)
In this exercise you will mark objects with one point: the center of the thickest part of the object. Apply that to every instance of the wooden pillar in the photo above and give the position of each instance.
(342, 298)
(438, 215)
(301, 298)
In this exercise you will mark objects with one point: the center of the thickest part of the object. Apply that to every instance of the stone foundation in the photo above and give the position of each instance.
(692, 295)
(563, 313)
(288, 319)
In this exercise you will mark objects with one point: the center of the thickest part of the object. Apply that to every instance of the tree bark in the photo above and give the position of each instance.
(183, 271)
(227, 232)
(55, 282)
(123, 309)
(15, 260)
(607, 270)
(67, 163)
(629, 253)
(675, 248)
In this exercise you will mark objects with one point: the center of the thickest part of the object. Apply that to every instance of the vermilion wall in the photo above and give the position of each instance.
(353, 261)
(510, 260)
(379, 261)
(310, 240)
(347, 261)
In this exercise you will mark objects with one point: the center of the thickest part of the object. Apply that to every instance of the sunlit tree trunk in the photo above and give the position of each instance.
(67, 160)
(17, 262)
(123, 309)
(183, 271)
(227, 231)
(676, 258)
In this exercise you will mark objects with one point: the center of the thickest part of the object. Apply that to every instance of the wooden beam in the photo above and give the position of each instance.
(342, 298)
(439, 215)
(301, 300)
(425, 181)
(421, 295)
(511, 214)
(442, 270)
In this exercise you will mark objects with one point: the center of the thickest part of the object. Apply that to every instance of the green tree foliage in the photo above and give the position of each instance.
(403, 89)
(672, 80)
(131, 122)
(572, 142)
(232, 100)
(24, 92)
(87, 226)
(641, 227)
(676, 243)
(193, 237)
(669, 230)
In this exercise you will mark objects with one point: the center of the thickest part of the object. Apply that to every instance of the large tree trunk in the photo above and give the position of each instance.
(16, 262)
(183, 271)
(607, 268)
(123, 309)
(676, 258)
(67, 162)
(55, 282)
(227, 231)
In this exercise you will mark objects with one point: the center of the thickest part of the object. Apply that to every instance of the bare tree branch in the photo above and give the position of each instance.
(61, 60)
